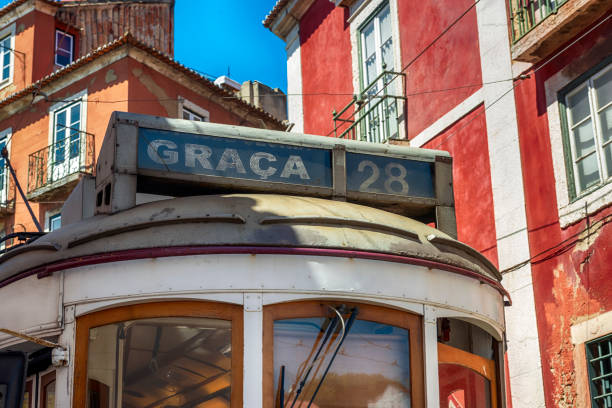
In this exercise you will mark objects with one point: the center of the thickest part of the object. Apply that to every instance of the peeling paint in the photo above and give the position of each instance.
(571, 302)
(170, 106)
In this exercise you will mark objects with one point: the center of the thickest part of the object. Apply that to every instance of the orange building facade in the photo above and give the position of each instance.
(66, 66)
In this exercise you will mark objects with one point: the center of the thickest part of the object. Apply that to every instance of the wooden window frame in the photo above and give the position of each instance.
(379, 314)
(483, 366)
(203, 309)
(45, 380)
(29, 388)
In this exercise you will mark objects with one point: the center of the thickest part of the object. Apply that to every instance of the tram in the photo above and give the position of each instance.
(208, 265)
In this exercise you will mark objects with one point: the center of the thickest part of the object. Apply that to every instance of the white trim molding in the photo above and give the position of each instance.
(450, 118)
(192, 107)
(295, 101)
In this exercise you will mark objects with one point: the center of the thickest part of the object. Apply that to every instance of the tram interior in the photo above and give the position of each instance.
(161, 362)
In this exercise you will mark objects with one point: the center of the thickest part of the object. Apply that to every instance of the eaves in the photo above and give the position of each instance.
(101, 57)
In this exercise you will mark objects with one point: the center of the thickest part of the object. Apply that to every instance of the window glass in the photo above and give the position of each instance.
(5, 60)
(189, 115)
(168, 362)
(599, 355)
(371, 366)
(55, 222)
(63, 48)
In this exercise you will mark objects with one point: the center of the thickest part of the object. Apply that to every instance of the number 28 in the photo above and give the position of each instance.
(395, 181)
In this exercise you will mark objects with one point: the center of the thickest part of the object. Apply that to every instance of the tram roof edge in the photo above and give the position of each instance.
(246, 223)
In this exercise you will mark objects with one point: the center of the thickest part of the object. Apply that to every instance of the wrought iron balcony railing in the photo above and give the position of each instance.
(374, 115)
(7, 192)
(526, 14)
(54, 165)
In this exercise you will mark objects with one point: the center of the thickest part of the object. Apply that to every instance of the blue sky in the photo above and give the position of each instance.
(212, 36)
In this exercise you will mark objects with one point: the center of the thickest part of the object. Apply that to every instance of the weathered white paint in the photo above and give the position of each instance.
(430, 337)
(295, 106)
(592, 328)
(253, 350)
(509, 204)
(271, 298)
(466, 106)
(65, 375)
(193, 276)
(569, 212)
(30, 305)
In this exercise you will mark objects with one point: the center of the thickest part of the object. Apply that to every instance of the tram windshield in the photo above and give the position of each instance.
(371, 367)
(160, 362)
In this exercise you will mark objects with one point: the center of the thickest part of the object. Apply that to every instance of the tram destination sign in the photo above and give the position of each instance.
(291, 164)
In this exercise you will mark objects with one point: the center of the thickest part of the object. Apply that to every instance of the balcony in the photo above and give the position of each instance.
(54, 170)
(7, 192)
(376, 114)
(539, 27)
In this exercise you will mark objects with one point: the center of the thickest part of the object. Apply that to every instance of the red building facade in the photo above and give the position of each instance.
(520, 94)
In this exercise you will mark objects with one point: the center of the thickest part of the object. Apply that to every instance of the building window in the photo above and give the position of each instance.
(587, 113)
(599, 356)
(190, 111)
(189, 115)
(376, 46)
(55, 222)
(7, 44)
(378, 118)
(64, 48)
(67, 137)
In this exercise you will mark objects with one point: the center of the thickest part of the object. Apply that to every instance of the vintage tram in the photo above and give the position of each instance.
(209, 265)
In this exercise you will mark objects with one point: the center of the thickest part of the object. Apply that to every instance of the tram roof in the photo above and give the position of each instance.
(245, 222)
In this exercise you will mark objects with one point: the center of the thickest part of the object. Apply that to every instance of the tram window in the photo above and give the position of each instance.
(373, 366)
(47, 385)
(169, 361)
(27, 395)
(466, 366)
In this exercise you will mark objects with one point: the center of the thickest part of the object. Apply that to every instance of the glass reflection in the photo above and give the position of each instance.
(461, 387)
(371, 368)
(161, 362)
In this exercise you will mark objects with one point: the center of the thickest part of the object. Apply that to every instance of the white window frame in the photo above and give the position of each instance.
(57, 31)
(54, 171)
(604, 173)
(359, 13)
(571, 210)
(6, 135)
(193, 109)
(6, 32)
(50, 215)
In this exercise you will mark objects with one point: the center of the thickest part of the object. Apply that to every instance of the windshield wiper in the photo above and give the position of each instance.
(349, 323)
(328, 334)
